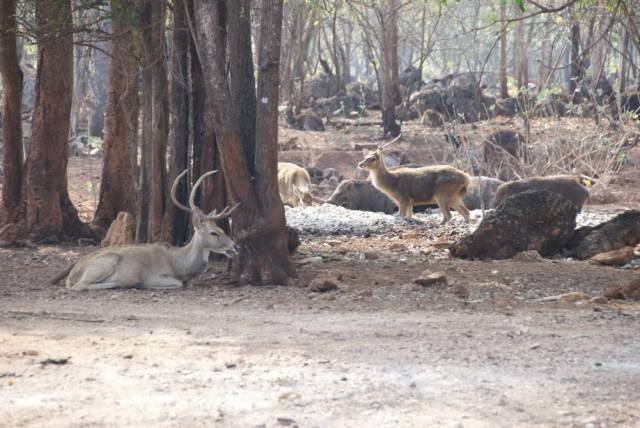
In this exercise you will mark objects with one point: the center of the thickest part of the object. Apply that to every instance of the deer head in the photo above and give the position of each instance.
(375, 160)
(213, 238)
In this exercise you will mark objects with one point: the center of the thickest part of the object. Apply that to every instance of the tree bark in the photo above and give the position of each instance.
(11, 78)
(389, 83)
(50, 215)
(155, 129)
(504, 88)
(101, 67)
(259, 223)
(574, 75)
(118, 182)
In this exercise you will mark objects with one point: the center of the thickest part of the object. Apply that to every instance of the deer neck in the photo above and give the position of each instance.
(381, 177)
(192, 259)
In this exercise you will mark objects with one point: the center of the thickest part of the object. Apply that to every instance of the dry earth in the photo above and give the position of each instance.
(482, 351)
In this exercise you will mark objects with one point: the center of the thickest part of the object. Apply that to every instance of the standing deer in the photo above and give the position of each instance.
(157, 265)
(442, 184)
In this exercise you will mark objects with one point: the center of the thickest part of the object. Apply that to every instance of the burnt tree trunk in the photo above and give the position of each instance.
(175, 219)
(50, 215)
(11, 78)
(118, 182)
(259, 225)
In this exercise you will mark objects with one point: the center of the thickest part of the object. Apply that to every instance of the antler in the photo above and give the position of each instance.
(381, 147)
(213, 215)
(224, 214)
(174, 186)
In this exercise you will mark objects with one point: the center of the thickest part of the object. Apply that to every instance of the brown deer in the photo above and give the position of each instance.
(157, 265)
(442, 184)
(294, 184)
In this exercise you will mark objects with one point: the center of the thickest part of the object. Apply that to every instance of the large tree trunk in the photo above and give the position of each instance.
(259, 223)
(118, 183)
(175, 219)
(11, 76)
(49, 212)
(389, 61)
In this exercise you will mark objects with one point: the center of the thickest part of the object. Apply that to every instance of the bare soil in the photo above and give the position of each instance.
(486, 350)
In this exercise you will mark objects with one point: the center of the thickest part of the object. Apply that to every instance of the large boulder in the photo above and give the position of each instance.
(537, 220)
(621, 231)
(481, 192)
(362, 196)
(337, 105)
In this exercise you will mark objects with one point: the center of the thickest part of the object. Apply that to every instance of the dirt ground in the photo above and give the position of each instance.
(486, 350)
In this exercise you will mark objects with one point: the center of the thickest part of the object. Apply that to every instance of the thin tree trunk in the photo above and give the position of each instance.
(575, 72)
(11, 78)
(101, 67)
(504, 88)
(544, 54)
(389, 44)
(624, 62)
(118, 183)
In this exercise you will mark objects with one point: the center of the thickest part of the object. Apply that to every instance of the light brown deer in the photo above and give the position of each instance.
(440, 184)
(294, 184)
(157, 265)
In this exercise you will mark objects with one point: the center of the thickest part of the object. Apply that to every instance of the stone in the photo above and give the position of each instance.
(574, 296)
(293, 239)
(627, 291)
(528, 257)
(619, 232)
(322, 284)
(410, 235)
(461, 292)
(618, 257)
(599, 300)
(537, 220)
(121, 232)
(428, 278)
(370, 255)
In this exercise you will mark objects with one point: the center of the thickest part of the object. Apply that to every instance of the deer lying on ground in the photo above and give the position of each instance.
(442, 184)
(572, 187)
(294, 184)
(157, 265)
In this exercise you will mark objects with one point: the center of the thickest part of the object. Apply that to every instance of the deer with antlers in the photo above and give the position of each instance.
(157, 265)
(442, 184)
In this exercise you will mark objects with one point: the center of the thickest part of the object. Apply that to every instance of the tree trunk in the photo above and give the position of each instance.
(176, 220)
(389, 85)
(101, 66)
(259, 223)
(118, 183)
(624, 62)
(543, 68)
(49, 212)
(242, 80)
(155, 128)
(11, 78)
(574, 76)
(392, 42)
(504, 88)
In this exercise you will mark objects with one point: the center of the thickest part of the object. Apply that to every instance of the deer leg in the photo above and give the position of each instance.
(405, 209)
(443, 204)
(162, 282)
(459, 206)
(96, 286)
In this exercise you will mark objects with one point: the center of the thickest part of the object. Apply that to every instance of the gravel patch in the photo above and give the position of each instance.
(328, 219)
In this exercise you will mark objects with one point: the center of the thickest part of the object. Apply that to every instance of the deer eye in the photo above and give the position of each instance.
(214, 233)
